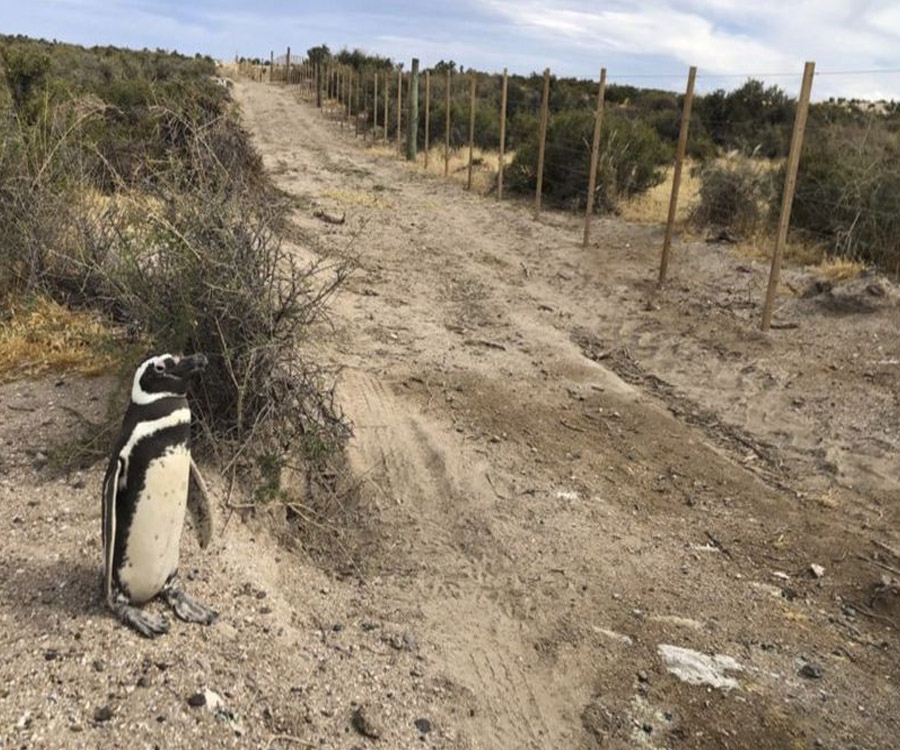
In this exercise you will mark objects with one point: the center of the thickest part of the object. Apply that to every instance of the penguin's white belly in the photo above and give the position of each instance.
(154, 538)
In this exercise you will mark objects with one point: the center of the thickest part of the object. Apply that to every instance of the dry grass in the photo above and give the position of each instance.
(801, 253)
(840, 269)
(40, 336)
(484, 168)
(652, 207)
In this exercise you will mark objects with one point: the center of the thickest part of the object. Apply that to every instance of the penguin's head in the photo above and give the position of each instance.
(165, 376)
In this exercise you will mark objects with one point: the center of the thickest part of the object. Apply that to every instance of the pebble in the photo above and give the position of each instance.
(196, 700)
(364, 723)
(423, 725)
(811, 671)
(103, 714)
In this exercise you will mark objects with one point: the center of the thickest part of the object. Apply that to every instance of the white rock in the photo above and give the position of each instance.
(699, 669)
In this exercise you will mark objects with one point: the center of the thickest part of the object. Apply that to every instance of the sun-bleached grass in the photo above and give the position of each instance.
(485, 163)
(652, 206)
(38, 336)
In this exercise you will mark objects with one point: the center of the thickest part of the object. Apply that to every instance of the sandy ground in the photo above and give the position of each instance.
(562, 474)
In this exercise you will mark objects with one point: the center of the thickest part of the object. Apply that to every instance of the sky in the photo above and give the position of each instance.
(855, 43)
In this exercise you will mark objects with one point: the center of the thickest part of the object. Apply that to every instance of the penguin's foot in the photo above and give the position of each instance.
(146, 624)
(188, 609)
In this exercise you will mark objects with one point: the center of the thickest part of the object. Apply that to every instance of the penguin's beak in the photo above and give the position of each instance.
(187, 367)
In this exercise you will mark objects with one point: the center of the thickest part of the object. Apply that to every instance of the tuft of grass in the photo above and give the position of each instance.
(38, 336)
(840, 269)
(761, 244)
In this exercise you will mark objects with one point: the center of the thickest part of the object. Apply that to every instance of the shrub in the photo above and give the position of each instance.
(153, 207)
(848, 190)
(631, 155)
(735, 193)
(753, 119)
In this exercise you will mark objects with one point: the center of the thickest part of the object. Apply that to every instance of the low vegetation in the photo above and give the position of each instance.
(848, 189)
(846, 193)
(127, 187)
(736, 194)
(631, 157)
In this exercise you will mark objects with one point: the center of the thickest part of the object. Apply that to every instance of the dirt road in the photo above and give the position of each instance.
(563, 475)
(567, 471)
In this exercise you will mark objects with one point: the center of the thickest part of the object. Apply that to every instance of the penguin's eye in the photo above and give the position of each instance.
(159, 367)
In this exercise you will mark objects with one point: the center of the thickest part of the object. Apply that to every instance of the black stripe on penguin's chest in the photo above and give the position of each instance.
(148, 449)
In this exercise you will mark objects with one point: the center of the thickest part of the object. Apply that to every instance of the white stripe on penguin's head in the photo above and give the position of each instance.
(165, 376)
(141, 394)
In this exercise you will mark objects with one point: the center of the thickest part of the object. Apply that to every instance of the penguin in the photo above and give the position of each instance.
(146, 494)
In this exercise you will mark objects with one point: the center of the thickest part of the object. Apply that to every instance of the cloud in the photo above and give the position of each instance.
(722, 37)
(649, 42)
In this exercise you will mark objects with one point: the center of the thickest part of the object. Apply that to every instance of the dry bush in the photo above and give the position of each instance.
(198, 263)
(848, 190)
(736, 193)
(186, 251)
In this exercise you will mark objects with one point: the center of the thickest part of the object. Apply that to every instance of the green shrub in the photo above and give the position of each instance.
(753, 119)
(26, 70)
(631, 155)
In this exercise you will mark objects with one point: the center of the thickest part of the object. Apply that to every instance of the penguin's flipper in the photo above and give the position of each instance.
(200, 507)
(188, 609)
(110, 490)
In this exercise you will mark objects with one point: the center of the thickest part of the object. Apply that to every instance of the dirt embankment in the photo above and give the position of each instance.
(563, 475)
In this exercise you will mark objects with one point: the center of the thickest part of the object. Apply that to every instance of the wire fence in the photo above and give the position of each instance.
(594, 147)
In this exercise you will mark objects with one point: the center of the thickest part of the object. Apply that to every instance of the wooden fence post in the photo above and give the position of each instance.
(360, 99)
(500, 163)
(676, 175)
(427, 115)
(545, 117)
(318, 85)
(412, 117)
(341, 74)
(375, 115)
(350, 98)
(271, 65)
(472, 84)
(447, 127)
(595, 158)
(362, 105)
(399, 109)
(790, 183)
(387, 86)
(287, 67)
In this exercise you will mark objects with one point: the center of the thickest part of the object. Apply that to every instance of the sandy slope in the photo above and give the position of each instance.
(561, 471)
